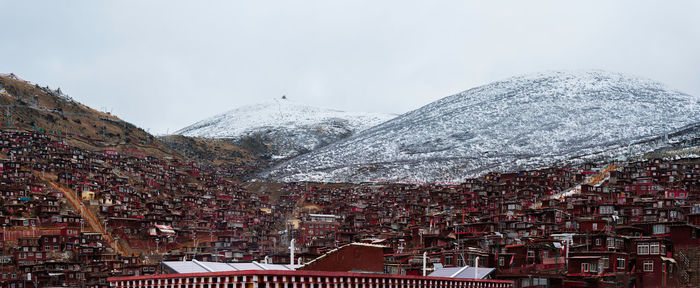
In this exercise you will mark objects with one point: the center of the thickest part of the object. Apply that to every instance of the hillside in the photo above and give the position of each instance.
(286, 128)
(28, 106)
(519, 123)
(213, 151)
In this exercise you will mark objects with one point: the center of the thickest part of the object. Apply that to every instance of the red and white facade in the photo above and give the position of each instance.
(298, 279)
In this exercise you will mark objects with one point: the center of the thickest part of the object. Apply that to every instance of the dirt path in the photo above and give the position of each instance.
(85, 213)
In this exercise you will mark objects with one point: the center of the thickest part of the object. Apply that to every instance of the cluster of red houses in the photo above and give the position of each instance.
(636, 226)
(150, 206)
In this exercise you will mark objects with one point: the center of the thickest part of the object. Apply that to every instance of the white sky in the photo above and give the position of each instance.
(163, 65)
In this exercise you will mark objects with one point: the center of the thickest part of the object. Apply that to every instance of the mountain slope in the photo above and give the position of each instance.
(518, 123)
(212, 151)
(287, 127)
(29, 106)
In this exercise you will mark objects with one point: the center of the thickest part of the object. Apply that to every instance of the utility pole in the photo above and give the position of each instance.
(9, 115)
(82, 220)
(556, 261)
(195, 245)
(291, 252)
(216, 249)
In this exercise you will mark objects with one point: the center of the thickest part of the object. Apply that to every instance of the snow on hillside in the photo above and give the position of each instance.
(519, 123)
(290, 128)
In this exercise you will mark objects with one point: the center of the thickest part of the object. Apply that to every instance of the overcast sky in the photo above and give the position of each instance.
(163, 65)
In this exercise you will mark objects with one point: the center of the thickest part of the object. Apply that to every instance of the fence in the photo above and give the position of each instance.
(13, 235)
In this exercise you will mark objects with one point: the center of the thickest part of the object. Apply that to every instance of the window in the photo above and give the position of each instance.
(606, 262)
(530, 253)
(449, 261)
(620, 263)
(606, 209)
(588, 267)
(659, 229)
(648, 265)
(597, 242)
(595, 226)
(643, 249)
(611, 242)
(501, 261)
(654, 248)
(619, 243)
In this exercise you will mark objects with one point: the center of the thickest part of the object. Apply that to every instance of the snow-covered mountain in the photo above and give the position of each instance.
(519, 123)
(288, 128)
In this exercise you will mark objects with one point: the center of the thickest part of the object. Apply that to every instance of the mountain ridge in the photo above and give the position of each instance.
(520, 122)
(29, 106)
(288, 128)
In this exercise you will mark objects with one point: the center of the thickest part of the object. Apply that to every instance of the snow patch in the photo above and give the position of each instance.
(289, 127)
(524, 122)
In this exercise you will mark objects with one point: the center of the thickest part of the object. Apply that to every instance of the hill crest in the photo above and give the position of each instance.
(289, 128)
(518, 123)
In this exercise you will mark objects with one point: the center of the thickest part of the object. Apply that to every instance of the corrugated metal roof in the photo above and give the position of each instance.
(462, 272)
(195, 266)
(218, 266)
(184, 267)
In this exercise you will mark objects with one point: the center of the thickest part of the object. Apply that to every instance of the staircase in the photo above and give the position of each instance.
(689, 266)
(600, 176)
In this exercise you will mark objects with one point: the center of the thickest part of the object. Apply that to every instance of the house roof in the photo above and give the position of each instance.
(585, 257)
(462, 272)
(165, 229)
(194, 266)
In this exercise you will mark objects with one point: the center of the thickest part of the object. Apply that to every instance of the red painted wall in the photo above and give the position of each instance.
(348, 258)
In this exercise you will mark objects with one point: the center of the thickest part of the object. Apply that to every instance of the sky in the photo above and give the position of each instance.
(164, 65)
